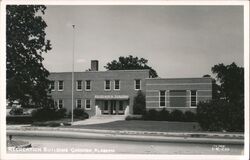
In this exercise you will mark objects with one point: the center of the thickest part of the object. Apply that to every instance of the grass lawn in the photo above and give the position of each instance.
(138, 125)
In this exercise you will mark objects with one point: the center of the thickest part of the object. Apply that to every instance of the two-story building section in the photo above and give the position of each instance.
(98, 92)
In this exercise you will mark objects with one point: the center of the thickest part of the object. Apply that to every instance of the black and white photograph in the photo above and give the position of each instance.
(124, 79)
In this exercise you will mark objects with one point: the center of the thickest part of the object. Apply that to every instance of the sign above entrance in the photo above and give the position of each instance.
(108, 97)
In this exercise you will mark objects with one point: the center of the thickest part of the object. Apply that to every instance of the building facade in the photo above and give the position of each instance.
(112, 92)
(177, 93)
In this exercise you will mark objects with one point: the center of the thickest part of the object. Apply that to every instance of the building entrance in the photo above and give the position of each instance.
(114, 107)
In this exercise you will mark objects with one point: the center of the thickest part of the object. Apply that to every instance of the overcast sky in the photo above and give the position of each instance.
(178, 41)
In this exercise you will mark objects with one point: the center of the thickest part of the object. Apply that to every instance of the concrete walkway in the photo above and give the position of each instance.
(100, 119)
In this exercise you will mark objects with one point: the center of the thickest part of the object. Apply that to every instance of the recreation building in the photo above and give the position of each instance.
(112, 92)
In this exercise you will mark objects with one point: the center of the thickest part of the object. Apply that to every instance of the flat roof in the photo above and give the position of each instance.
(138, 70)
(158, 78)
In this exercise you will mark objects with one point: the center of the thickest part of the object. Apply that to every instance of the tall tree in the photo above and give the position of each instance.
(231, 79)
(26, 76)
(130, 63)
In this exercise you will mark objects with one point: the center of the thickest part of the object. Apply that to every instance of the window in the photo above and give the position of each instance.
(193, 98)
(87, 85)
(52, 85)
(162, 98)
(87, 104)
(60, 85)
(79, 85)
(78, 103)
(107, 85)
(60, 103)
(137, 84)
(120, 105)
(117, 85)
(178, 98)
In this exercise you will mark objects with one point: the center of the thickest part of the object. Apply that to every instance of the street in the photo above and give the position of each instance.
(86, 146)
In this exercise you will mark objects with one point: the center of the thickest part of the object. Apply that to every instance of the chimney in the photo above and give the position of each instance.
(94, 65)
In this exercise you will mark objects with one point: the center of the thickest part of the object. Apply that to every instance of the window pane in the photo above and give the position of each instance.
(178, 98)
(137, 84)
(79, 103)
(107, 84)
(162, 98)
(79, 85)
(87, 103)
(60, 87)
(52, 85)
(193, 98)
(117, 84)
(88, 84)
(60, 103)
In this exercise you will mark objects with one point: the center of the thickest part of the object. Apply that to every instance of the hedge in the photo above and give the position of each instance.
(164, 115)
(19, 119)
(220, 115)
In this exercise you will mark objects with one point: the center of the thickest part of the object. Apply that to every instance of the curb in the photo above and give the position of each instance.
(126, 132)
(80, 135)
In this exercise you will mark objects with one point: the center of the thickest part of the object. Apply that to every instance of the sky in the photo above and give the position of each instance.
(178, 41)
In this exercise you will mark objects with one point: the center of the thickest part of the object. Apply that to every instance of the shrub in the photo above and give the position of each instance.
(133, 117)
(19, 119)
(218, 115)
(176, 115)
(16, 111)
(150, 115)
(190, 116)
(139, 106)
(44, 114)
(80, 113)
(61, 113)
(163, 115)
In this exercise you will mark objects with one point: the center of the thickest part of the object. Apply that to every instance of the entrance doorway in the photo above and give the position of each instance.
(114, 107)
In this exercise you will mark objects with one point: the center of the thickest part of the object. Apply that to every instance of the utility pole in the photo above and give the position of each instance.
(73, 68)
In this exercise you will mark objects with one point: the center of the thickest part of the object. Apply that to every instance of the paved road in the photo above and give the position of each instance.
(62, 145)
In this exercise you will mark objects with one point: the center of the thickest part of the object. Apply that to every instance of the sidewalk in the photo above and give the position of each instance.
(189, 137)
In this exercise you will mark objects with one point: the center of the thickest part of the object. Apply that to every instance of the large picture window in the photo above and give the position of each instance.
(178, 98)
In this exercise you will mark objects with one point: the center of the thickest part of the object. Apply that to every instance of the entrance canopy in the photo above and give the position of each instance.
(111, 97)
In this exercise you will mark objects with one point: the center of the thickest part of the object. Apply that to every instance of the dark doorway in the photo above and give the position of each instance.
(113, 107)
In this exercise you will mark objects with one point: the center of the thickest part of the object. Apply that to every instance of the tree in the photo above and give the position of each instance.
(226, 111)
(25, 43)
(231, 79)
(139, 106)
(130, 63)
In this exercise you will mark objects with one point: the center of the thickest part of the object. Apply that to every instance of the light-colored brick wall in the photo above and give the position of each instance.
(98, 78)
(203, 86)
